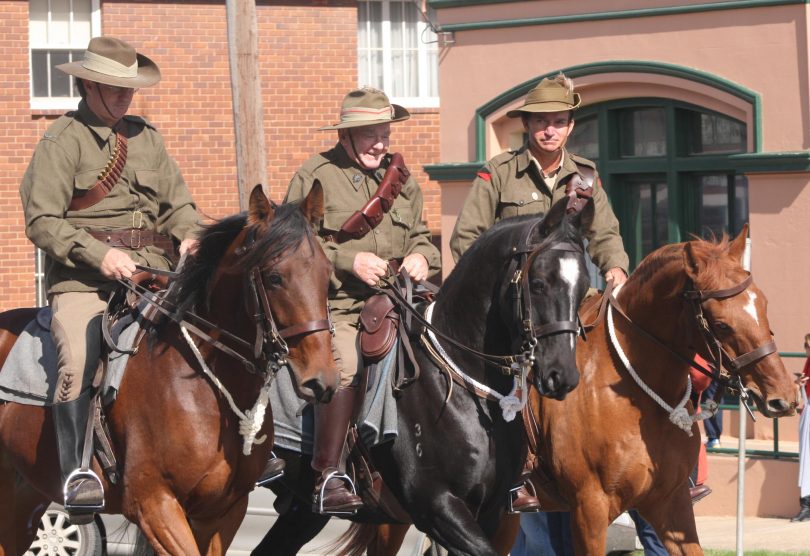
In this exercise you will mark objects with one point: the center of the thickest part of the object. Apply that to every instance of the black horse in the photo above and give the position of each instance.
(515, 291)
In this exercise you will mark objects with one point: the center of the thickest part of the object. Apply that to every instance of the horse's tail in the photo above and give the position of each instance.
(354, 541)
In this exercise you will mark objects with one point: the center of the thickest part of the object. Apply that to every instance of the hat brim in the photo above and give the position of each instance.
(400, 115)
(148, 74)
(544, 107)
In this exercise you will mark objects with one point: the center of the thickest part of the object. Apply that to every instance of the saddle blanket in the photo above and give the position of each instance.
(29, 373)
(294, 421)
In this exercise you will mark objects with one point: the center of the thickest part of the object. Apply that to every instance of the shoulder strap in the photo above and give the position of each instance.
(106, 180)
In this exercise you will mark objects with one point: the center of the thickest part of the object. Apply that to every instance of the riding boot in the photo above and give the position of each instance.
(804, 512)
(272, 471)
(331, 494)
(83, 491)
(522, 496)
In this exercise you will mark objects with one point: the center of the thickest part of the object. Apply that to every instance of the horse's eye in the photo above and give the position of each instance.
(722, 327)
(538, 285)
(274, 279)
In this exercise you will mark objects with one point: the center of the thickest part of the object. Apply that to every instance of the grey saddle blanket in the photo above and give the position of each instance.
(29, 373)
(294, 422)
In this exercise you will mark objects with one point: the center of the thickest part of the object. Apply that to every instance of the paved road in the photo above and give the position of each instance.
(759, 533)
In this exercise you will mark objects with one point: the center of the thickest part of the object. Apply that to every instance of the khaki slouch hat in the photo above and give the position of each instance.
(367, 106)
(550, 95)
(113, 62)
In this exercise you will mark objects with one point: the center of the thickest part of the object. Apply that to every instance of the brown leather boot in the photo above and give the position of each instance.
(274, 469)
(332, 495)
(522, 498)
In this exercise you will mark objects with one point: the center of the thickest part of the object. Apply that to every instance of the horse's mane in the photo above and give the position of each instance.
(715, 264)
(286, 231)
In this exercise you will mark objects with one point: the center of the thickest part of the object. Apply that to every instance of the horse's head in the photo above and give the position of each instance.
(736, 323)
(555, 281)
(263, 276)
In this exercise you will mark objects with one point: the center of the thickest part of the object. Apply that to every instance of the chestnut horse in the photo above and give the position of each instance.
(458, 452)
(258, 281)
(610, 446)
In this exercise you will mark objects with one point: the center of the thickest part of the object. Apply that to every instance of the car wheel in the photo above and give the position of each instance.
(56, 535)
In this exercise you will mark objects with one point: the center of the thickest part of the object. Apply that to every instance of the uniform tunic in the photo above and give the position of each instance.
(346, 189)
(511, 184)
(150, 195)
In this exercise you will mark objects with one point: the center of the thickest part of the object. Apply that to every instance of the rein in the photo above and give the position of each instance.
(726, 370)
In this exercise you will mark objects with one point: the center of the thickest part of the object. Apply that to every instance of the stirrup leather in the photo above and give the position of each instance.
(342, 477)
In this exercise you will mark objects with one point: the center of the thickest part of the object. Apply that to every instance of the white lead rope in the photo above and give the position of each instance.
(250, 422)
(510, 404)
(678, 415)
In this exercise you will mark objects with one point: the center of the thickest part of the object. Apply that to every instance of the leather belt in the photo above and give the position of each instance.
(133, 238)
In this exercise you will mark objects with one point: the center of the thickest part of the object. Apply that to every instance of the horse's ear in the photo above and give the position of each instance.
(584, 218)
(552, 219)
(260, 208)
(312, 205)
(737, 247)
(691, 261)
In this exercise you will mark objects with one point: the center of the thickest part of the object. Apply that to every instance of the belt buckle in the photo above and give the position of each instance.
(135, 238)
(137, 219)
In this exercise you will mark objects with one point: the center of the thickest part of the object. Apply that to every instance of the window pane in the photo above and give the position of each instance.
(643, 132)
(740, 204)
(60, 81)
(38, 21)
(39, 73)
(59, 28)
(713, 133)
(714, 205)
(648, 213)
(80, 31)
(584, 140)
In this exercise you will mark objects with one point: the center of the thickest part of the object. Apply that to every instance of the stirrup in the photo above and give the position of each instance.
(269, 478)
(527, 483)
(79, 512)
(336, 474)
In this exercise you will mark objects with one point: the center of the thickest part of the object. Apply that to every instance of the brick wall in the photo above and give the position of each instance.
(308, 58)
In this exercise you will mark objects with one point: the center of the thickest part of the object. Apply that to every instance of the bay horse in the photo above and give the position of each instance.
(456, 456)
(257, 287)
(610, 445)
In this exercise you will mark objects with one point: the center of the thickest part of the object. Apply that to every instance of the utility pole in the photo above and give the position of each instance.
(248, 116)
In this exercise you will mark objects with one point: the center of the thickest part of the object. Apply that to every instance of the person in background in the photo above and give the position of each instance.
(100, 195)
(351, 174)
(804, 440)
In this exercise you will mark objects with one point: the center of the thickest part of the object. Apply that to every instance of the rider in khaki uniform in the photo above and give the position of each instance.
(350, 174)
(99, 195)
(533, 178)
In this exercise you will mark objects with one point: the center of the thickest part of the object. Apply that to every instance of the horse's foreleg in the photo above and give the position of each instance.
(388, 540)
(589, 524)
(454, 527)
(674, 521)
(163, 523)
(504, 538)
(215, 536)
(291, 531)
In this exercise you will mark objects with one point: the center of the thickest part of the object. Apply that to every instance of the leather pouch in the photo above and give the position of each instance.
(379, 322)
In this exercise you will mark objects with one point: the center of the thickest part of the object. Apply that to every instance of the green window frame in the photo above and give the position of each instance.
(666, 167)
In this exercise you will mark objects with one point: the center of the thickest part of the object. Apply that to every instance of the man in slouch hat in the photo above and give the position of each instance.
(362, 232)
(100, 195)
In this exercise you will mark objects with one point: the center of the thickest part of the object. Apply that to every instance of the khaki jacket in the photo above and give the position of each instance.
(150, 194)
(510, 185)
(346, 189)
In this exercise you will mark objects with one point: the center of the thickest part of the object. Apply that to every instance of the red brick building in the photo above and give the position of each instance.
(308, 55)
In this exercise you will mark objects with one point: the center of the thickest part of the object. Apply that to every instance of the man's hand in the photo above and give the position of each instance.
(189, 245)
(617, 275)
(417, 266)
(369, 267)
(116, 265)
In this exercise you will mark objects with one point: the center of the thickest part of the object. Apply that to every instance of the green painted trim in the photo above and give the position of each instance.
(603, 16)
(440, 4)
(786, 162)
(627, 66)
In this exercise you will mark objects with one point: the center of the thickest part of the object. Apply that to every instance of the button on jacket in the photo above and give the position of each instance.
(150, 195)
(510, 185)
(346, 189)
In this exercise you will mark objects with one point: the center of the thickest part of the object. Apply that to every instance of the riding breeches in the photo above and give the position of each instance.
(76, 331)
(345, 351)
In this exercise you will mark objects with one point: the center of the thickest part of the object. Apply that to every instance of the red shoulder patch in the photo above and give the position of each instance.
(485, 175)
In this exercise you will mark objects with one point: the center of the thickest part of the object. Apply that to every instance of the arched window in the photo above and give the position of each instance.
(665, 166)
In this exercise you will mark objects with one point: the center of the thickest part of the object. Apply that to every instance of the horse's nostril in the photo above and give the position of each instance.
(319, 392)
(778, 405)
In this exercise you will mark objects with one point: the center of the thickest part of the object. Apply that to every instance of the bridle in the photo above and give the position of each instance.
(724, 368)
(270, 347)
